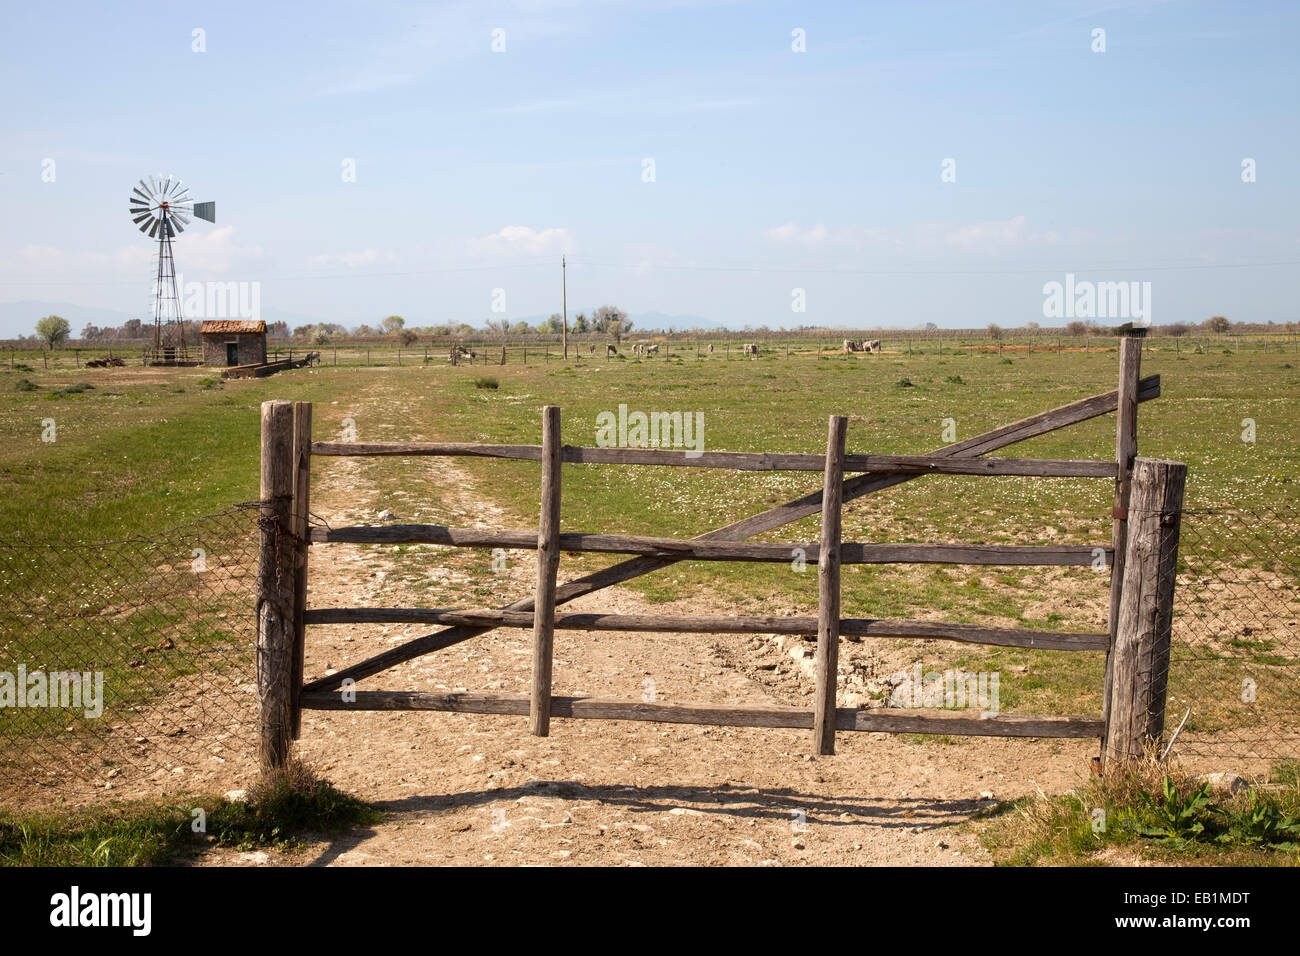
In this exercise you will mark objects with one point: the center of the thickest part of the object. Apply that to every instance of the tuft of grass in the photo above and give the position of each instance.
(484, 381)
(1286, 773)
(954, 380)
(1153, 812)
(904, 383)
(277, 814)
(25, 385)
(74, 389)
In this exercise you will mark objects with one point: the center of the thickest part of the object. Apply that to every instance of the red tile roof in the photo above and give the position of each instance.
(226, 326)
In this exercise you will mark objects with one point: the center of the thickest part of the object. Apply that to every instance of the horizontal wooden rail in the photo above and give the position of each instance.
(737, 460)
(870, 720)
(856, 627)
(695, 549)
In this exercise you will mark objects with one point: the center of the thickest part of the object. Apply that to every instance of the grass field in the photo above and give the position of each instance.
(143, 448)
(540, 350)
(137, 450)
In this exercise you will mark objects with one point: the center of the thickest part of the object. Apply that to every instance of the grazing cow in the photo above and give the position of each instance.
(872, 346)
(710, 348)
(751, 349)
(652, 350)
(460, 352)
(638, 349)
(610, 350)
(852, 345)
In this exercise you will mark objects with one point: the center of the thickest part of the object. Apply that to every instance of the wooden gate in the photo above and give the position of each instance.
(1141, 555)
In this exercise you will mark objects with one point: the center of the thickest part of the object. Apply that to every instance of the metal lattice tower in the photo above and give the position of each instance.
(162, 208)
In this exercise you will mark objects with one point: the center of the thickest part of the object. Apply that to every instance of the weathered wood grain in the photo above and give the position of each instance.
(869, 720)
(275, 588)
(696, 549)
(734, 460)
(828, 589)
(1126, 448)
(1140, 656)
(301, 512)
(548, 562)
(674, 624)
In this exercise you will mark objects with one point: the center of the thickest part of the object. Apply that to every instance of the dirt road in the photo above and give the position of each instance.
(477, 789)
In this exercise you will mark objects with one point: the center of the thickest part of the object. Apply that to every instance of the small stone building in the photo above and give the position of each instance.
(229, 342)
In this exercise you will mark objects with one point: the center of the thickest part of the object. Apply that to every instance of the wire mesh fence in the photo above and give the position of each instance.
(126, 667)
(1234, 682)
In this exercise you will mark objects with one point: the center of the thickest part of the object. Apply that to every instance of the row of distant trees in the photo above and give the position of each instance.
(607, 320)
(54, 331)
(1216, 325)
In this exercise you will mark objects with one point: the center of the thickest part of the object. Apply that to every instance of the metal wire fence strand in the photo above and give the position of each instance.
(155, 636)
(167, 624)
(1235, 656)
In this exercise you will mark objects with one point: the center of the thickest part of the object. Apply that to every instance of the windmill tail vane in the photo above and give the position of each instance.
(162, 207)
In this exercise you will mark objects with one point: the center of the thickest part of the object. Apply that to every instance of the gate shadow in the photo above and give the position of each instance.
(769, 804)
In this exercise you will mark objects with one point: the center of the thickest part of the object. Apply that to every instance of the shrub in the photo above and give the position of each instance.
(75, 389)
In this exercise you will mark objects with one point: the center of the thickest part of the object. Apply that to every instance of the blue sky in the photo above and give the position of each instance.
(773, 169)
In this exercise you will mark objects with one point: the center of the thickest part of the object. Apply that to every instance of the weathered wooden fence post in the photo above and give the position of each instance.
(828, 589)
(275, 585)
(548, 562)
(1130, 366)
(1139, 672)
(301, 527)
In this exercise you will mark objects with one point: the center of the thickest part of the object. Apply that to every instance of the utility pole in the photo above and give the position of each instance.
(564, 318)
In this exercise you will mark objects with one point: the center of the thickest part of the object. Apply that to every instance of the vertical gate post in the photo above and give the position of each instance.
(301, 526)
(828, 589)
(275, 586)
(1130, 365)
(548, 562)
(1139, 675)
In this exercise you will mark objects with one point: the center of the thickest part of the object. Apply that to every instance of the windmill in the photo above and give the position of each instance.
(162, 208)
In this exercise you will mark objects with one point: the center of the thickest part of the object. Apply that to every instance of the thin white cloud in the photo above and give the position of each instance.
(351, 259)
(214, 250)
(523, 240)
(793, 232)
(923, 237)
(984, 233)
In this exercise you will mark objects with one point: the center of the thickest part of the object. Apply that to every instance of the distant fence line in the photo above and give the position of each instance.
(132, 352)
